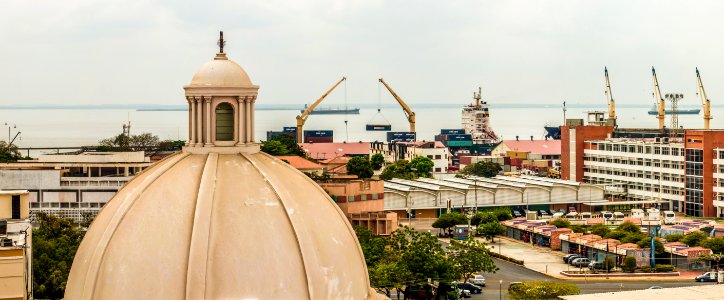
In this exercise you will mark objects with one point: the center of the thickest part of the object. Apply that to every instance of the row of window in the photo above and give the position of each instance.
(643, 149)
(635, 161)
(635, 174)
(66, 205)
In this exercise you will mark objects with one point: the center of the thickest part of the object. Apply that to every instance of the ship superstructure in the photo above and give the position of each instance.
(476, 121)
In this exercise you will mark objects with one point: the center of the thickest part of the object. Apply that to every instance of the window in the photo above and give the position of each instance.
(438, 170)
(15, 207)
(438, 156)
(224, 122)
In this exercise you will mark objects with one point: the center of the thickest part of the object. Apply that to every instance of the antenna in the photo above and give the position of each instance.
(221, 43)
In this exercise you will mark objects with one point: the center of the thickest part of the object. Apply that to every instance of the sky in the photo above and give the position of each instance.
(430, 52)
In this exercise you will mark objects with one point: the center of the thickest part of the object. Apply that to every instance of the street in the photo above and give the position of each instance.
(511, 273)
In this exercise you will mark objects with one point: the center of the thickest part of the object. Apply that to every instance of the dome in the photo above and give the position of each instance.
(222, 224)
(220, 72)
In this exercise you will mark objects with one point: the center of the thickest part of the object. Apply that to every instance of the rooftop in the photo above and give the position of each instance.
(331, 150)
(299, 162)
(543, 147)
(698, 292)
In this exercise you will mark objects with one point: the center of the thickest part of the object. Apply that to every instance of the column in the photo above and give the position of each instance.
(247, 120)
(251, 120)
(192, 121)
(199, 122)
(240, 119)
(209, 138)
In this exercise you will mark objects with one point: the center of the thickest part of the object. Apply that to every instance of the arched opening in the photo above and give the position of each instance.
(224, 122)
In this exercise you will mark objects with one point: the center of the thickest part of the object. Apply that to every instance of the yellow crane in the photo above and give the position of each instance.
(408, 112)
(611, 102)
(704, 100)
(303, 117)
(660, 104)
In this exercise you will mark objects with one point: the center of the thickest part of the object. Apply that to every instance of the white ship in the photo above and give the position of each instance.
(476, 122)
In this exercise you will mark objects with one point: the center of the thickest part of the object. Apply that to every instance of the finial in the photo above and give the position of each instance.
(221, 42)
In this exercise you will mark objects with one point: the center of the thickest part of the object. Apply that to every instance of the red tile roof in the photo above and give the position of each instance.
(331, 150)
(543, 147)
(300, 163)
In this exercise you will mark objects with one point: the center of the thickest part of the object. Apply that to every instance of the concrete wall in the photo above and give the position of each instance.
(359, 207)
(63, 197)
(6, 205)
(98, 197)
(29, 179)
(96, 157)
(12, 282)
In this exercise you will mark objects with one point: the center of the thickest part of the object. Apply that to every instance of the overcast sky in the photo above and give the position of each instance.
(125, 51)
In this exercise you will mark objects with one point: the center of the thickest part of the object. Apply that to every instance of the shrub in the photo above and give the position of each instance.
(693, 239)
(503, 214)
(542, 290)
(609, 263)
(561, 223)
(664, 268)
(577, 228)
(674, 237)
(629, 227)
(600, 230)
(629, 264)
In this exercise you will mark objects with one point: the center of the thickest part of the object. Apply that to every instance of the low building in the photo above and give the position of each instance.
(71, 185)
(15, 245)
(322, 151)
(362, 201)
(535, 149)
(435, 151)
(302, 164)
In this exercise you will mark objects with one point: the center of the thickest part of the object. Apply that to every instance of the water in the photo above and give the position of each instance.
(78, 127)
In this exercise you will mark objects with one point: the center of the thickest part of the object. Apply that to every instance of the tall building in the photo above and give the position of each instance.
(220, 219)
(16, 256)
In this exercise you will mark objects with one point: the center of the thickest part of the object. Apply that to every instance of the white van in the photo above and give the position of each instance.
(669, 217)
(557, 215)
(653, 214)
(572, 215)
(607, 215)
(637, 213)
(618, 215)
(585, 215)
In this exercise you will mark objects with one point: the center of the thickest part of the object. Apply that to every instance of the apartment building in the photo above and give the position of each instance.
(15, 245)
(434, 150)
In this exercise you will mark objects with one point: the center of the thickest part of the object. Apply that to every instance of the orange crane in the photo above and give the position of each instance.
(408, 112)
(660, 103)
(303, 117)
(704, 100)
(611, 102)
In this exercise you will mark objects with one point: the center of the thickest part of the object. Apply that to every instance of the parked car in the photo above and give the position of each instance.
(580, 262)
(473, 288)
(516, 214)
(595, 265)
(706, 277)
(567, 256)
(543, 213)
(478, 279)
(572, 257)
(464, 293)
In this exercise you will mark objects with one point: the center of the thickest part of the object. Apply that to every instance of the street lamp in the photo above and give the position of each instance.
(500, 289)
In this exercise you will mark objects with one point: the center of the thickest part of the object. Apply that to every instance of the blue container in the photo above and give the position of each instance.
(452, 131)
(318, 133)
(459, 137)
(379, 127)
(401, 136)
(289, 129)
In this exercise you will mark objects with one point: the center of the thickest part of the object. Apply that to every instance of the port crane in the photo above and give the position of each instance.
(660, 103)
(704, 100)
(303, 117)
(408, 112)
(611, 102)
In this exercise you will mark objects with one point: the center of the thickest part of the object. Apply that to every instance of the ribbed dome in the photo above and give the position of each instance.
(220, 226)
(221, 72)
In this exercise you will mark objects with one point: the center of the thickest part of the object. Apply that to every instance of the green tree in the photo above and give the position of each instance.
(471, 256)
(400, 169)
(503, 214)
(55, 242)
(448, 220)
(674, 237)
(9, 152)
(377, 161)
(360, 166)
(646, 243)
(716, 244)
(290, 143)
(534, 290)
(616, 235)
(633, 238)
(170, 145)
(139, 142)
(629, 264)
(273, 147)
(609, 263)
(373, 246)
(560, 223)
(577, 228)
(629, 227)
(422, 166)
(600, 230)
(694, 238)
(490, 230)
(482, 169)
(483, 218)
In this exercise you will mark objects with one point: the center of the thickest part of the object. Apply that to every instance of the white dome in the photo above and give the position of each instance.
(221, 72)
(220, 226)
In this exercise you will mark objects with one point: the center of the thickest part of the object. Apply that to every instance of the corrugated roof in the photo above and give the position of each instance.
(300, 163)
(543, 147)
(331, 150)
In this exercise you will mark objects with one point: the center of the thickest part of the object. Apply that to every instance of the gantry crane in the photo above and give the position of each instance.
(408, 112)
(611, 102)
(303, 117)
(660, 103)
(704, 100)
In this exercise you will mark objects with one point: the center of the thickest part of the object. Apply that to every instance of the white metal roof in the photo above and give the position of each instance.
(695, 292)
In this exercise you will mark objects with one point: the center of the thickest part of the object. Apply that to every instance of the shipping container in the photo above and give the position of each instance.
(318, 139)
(459, 137)
(289, 129)
(458, 143)
(397, 136)
(318, 133)
(379, 127)
(452, 131)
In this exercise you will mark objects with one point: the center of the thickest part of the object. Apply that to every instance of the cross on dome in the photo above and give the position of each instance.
(221, 42)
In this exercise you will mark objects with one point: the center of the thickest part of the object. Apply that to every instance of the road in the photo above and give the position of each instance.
(511, 273)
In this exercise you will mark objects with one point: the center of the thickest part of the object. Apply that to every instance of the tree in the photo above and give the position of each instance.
(170, 145)
(716, 244)
(694, 238)
(600, 230)
(646, 243)
(422, 166)
(377, 160)
(471, 256)
(143, 141)
(290, 143)
(503, 214)
(490, 230)
(482, 169)
(616, 235)
(609, 263)
(273, 147)
(400, 169)
(122, 142)
(373, 246)
(9, 152)
(446, 221)
(674, 237)
(360, 166)
(629, 264)
(533, 290)
(560, 223)
(629, 227)
(577, 228)
(482, 218)
(55, 242)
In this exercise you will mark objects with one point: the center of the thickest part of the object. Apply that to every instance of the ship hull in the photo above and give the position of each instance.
(681, 112)
(354, 111)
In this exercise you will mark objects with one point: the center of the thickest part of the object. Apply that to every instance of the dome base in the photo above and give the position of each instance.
(251, 148)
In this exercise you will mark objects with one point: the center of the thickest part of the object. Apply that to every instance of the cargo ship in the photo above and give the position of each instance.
(476, 123)
(332, 110)
(691, 111)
